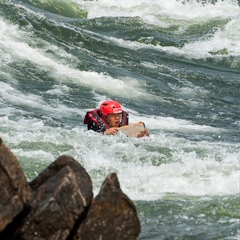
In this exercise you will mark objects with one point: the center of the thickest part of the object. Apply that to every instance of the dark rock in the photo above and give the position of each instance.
(58, 204)
(112, 215)
(14, 190)
(62, 193)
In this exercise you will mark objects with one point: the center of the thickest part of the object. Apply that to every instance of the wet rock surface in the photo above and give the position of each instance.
(59, 203)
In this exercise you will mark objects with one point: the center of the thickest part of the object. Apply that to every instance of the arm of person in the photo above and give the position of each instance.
(96, 127)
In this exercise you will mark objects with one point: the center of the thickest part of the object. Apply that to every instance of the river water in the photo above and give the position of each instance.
(175, 65)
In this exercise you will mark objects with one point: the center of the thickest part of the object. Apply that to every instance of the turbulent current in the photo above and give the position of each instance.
(175, 65)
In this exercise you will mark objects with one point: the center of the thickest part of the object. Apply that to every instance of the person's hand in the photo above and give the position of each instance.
(144, 133)
(111, 131)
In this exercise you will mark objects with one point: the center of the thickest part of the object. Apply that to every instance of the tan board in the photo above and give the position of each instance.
(132, 130)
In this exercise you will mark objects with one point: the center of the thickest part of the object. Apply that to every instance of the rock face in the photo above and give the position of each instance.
(62, 192)
(112, 214)
(14, 190)
(58, 204)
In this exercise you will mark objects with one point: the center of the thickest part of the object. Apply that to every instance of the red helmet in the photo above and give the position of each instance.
(110, 107)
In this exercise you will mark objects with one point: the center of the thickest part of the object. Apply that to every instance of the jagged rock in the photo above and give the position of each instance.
(62, 193)
(112, 215)
(58, 204)
(14, 190)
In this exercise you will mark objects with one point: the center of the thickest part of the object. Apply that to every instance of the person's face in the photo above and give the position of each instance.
(114, 120)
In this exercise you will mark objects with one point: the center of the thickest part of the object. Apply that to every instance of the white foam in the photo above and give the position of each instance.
(185, 172)
(16, 47)
(11, 95)
(147, 168)
(224, 42)
(58, 90)
(171, 124)
(194, 179)
(151, 12)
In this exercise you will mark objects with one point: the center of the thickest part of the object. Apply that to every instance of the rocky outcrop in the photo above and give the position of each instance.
(14, 190)
(59, 203)
(62, 192)
(112, 214)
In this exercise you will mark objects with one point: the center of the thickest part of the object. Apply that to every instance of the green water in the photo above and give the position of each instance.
(173, 65)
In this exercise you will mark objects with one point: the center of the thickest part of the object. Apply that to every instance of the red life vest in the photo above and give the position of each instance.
(95, 116)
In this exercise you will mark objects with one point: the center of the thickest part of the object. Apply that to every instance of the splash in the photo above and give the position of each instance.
(190, 9)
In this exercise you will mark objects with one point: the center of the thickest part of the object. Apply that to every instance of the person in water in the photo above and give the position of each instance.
(108, 118)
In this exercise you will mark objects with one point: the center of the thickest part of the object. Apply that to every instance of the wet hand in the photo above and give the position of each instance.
(144, 133)
(111, 131)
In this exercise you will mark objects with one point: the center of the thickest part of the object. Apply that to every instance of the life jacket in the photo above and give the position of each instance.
(95, 116)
